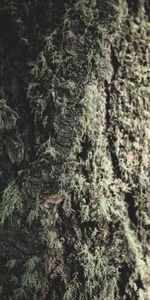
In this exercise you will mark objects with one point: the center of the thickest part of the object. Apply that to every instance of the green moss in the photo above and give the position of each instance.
(86, 10)
(129, 113)
(47, 234)
(48, 150)
(11, 263)
(99, 277)
(11, 202)
(8, 117)
(30, 279)
(33, 215)
(110, 191)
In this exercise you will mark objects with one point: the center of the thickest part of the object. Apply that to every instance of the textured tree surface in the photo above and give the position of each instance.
(74, 150)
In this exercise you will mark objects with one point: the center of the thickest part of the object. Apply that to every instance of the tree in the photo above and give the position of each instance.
(74, 149)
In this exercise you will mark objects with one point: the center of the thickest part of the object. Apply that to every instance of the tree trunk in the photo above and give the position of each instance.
(74, 150)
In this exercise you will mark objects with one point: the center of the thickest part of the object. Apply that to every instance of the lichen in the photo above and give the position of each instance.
(11, 202)
(8, 117)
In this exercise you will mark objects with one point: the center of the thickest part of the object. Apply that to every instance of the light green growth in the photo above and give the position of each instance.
(19, 294)
(94, 266)
(30, 278)
(110, 191)
(89, 107)
(48, 149)
(85, 9)
(72, 290)
(131, 110)
(14, 280)
(31, 263)
(11, 202)
(85, 213)
(8, 117)
(47, 234)
(11, 264)
(100, 278)
(33, 215)
(29, 281)
(120, 11)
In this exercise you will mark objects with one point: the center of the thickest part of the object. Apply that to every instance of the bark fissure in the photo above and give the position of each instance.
(109, 89)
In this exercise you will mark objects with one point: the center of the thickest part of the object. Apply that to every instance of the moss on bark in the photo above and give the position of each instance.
(76, 90)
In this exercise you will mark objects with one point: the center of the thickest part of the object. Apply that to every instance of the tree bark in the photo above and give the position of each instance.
(74, 150)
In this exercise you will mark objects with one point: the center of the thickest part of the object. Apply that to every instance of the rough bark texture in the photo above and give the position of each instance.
(74, 149)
